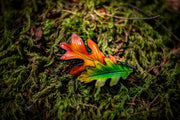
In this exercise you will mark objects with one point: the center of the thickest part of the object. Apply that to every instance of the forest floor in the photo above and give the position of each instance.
(36, 84)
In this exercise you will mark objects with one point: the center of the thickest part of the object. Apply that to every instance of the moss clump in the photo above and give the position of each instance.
(35, 84)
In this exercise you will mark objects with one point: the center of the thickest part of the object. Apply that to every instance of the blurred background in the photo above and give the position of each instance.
(35, 83)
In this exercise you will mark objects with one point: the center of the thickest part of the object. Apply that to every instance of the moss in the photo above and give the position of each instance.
(35, 83)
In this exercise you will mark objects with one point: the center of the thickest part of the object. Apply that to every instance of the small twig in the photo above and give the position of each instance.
(68, 11)
(73, 12)
(154, 99)
(124, 18)
(133, 102)
(118, 8)
(127, 33)
(99, 14)
(138, 9)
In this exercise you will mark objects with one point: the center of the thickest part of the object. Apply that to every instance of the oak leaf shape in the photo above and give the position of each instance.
(77, 50)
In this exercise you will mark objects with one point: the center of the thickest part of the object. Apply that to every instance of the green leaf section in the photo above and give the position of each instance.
(102, 72)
